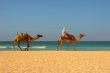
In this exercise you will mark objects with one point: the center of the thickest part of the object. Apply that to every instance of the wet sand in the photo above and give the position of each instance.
(55, 62)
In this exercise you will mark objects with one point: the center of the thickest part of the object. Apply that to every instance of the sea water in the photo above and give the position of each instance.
(52, 45)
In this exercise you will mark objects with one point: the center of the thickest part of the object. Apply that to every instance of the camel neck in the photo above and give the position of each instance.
(78, 38)
(34, 38)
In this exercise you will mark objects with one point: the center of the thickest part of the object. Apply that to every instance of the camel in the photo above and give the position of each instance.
(69, 38)
(26, 38)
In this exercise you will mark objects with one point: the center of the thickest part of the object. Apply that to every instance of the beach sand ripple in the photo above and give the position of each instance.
(55, 62)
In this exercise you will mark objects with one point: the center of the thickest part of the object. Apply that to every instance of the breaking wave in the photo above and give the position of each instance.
(39, 47)
(3, 47)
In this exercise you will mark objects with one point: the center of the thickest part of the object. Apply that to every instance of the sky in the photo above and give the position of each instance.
(48, 17)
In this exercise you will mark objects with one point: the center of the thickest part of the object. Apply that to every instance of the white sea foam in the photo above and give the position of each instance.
(17, 47)
(3, 47)
(39, 47)
(11, 46)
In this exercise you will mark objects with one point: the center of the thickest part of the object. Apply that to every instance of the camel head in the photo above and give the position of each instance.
(81, 35)
(35, 37)
(39, 35)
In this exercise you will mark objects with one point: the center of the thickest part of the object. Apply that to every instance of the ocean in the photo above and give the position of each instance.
(52, 45)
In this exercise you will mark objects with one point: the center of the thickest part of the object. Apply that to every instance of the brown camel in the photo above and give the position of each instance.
(69, 38)
(25, 37)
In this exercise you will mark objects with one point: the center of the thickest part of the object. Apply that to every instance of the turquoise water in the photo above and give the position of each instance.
(52, 45)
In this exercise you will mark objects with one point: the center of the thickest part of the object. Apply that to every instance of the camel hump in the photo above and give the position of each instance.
(24, 34)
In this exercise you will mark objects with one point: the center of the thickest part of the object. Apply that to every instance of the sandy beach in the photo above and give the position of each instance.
(55, 62)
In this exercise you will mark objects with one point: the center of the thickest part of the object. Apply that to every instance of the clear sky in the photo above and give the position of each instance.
(47, 17)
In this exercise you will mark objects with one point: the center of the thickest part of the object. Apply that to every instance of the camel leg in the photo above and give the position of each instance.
(19, 46)
(28, 45)
(59, 45)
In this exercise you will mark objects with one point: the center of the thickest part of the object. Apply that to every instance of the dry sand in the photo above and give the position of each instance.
(55, 62)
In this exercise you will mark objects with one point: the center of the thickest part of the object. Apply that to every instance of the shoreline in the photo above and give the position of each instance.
(54, 62)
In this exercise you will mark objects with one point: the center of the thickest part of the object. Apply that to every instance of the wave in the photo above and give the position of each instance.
(39, 47)
(23, 47)
(3, 47)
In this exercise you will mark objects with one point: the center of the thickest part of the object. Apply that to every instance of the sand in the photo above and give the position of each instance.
(55, 62)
